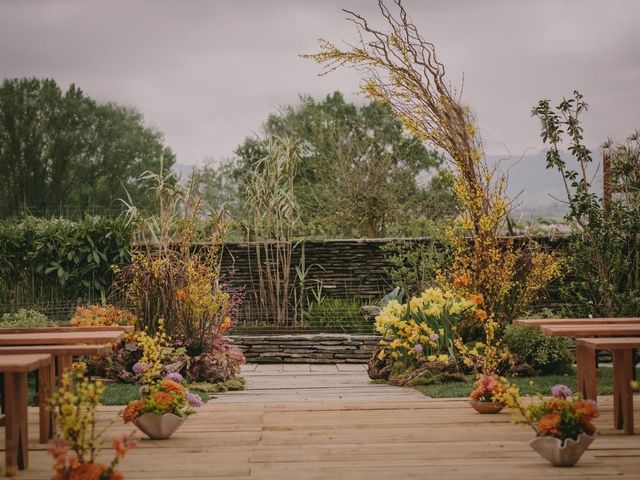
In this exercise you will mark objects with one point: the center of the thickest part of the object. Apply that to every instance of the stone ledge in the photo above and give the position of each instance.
(307, 348)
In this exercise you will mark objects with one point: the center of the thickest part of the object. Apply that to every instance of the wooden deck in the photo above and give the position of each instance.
(316, 422)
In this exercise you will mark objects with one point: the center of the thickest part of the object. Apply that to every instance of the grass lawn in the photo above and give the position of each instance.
(528, 385)
(114, 393)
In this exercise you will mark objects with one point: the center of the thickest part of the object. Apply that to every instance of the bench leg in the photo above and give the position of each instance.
(622, 393)
(17, 449)
(586, 372)
(44, 394)
(63, 364)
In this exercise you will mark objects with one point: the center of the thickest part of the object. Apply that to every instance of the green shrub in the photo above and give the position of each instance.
(337, 314)
(24, 319)
(546, 353)
(58, 261)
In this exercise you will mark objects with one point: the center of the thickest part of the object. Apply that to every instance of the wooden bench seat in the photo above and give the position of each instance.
(540, 322)
(15, 369)
(622, 350)
(115, 328)
(582, 331)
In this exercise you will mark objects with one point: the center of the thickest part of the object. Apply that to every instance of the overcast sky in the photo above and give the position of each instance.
(207, 73)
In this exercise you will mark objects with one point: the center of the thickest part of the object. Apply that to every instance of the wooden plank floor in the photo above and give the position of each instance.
(308, 422)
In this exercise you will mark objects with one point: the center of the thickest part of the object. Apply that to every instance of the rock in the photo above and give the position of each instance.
(370, 312)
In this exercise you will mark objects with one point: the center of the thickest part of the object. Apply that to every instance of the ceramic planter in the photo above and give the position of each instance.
(560, 455)
(487, 407)
(158, 427)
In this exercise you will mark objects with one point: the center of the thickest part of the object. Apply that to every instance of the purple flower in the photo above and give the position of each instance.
(434, 337)
(418, 348)
(561, 391)
(194, 400)
(139, 367)
(175, 376)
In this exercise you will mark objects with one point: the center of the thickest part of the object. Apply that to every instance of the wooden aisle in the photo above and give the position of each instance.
(306, 422)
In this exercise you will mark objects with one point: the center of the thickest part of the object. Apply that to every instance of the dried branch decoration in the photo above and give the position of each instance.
(401, 69)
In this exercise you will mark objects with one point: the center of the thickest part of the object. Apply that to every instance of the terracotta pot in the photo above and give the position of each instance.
(560, 455)
(158, 427)
(487, 407)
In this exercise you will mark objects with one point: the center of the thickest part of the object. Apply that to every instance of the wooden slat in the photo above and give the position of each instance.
(592, 330)
(540, 322)
(58, 349)
(117, 328)
(23, 363)
(613, 343)
(60, 338)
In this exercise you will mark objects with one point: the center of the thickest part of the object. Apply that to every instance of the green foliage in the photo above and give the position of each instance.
(527, 385)
(547, 353)
(339, 314)
(414, 264)
(24, 319)
(59, 259)
(359, 174)
(62, 148)
(602, 255)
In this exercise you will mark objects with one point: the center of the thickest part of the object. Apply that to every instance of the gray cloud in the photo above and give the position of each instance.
(207, 73)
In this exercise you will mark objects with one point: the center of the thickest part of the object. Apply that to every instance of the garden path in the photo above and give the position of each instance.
(303, 422)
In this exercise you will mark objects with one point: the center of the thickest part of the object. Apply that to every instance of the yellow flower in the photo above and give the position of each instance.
(443, 358)
(432, 358)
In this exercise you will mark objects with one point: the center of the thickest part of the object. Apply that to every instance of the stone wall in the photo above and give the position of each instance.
(307, 348)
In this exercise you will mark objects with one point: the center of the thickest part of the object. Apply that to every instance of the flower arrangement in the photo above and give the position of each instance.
(102, 315)
(423, 329)
(487, 387)
(76, 447)
(161, 397)
(563, 416)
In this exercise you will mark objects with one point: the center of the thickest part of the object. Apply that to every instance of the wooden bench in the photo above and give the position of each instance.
(15, 369)
(622, 350)
(116, 328)
(62, 356)
(586, 358)
(544, 322)
(61, 338)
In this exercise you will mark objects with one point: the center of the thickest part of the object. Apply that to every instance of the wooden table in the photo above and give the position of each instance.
(15, 369)
(117, 328)
(61, 338)
(539, 322)
(622, 352)
(581, 331)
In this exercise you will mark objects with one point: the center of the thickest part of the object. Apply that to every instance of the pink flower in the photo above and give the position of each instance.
(561, 391)
(418, 348)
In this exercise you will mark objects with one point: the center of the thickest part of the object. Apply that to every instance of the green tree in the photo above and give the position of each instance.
(359, 173)
(62, 148)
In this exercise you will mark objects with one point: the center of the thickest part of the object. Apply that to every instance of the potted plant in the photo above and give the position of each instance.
(162, 408)
(77, 443)
(483, 396)
(562, 423)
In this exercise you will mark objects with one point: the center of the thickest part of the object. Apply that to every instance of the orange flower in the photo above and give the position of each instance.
(478, 299)
(548, 425)
(171, 386)
(481, 315)
(586, 409)
(181, 295)
(460, 281)
(87, 471)
(162, 398)
(123, 444)
(132, 410)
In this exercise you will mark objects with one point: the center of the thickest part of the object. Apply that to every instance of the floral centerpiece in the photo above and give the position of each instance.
(483, 397)
(162, 407)
(77, 445)
(562, 423)
(423, 330)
